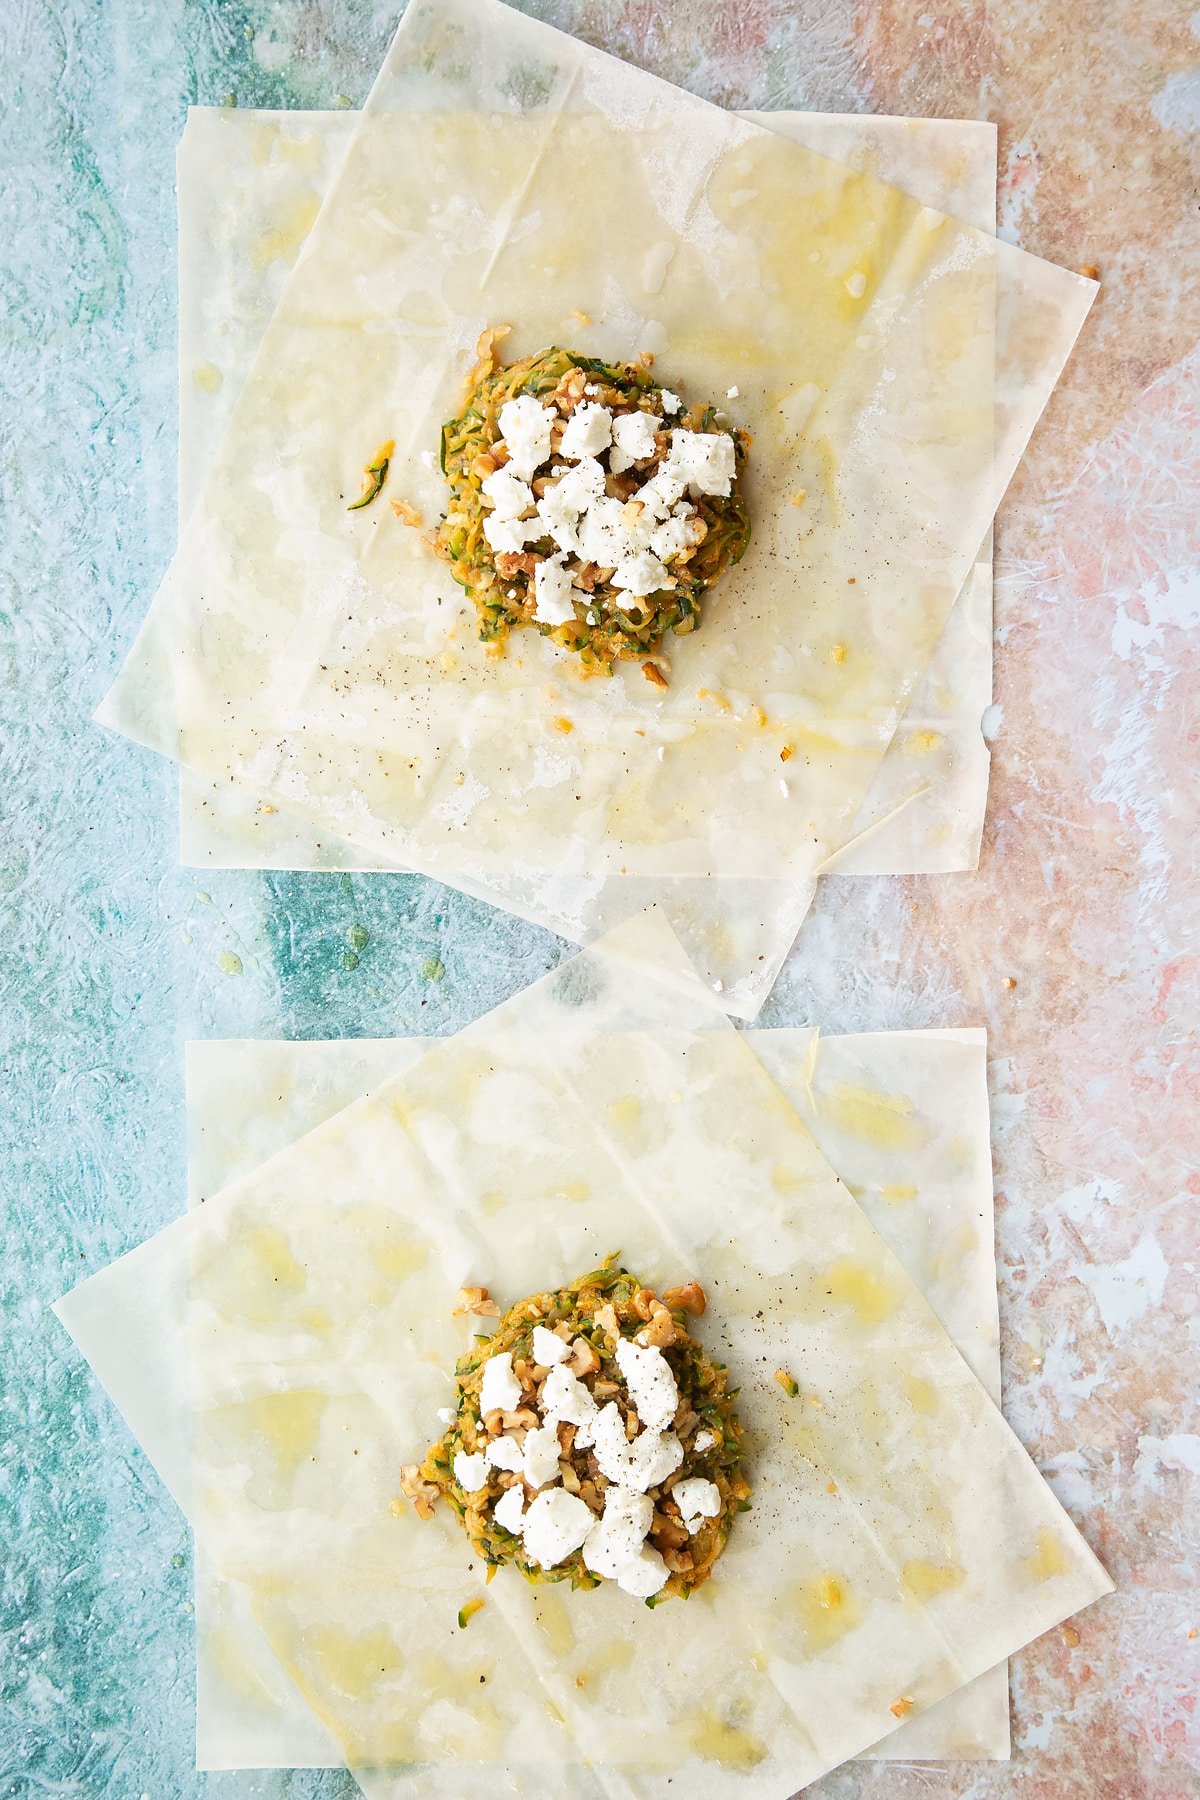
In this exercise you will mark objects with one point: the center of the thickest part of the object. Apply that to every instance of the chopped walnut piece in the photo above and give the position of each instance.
(668, 1533)
(689, 1298)
(515, 562)
(661, 1332)
(678, 1561)
(606, 1319)
(422, 1493)
(686, 1420)
(523, 1419)
(902, 1707)
(408, 514)
(643, 1302)
(475, 1300)
(654, 674)
(584, 1359)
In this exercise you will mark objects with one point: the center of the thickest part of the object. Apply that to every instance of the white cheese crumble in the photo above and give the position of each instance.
(732, 393)
(509, 495)
(671, 402)
(541, 1455)
(705, 460)
(504, 1453)
(500, 1387)
(640, 1464)
(697, 1499)
(525, 427)
(509, 1510)
(616, 1547)
(446, 1415)
(509, 534)
(641, 574)
(704, 1441)
(565, 1397)
(651, 1383)
(633, 440)
(560, 506)
(555, 1526)
(547, 1348)
(587, 431)
(470, 1471)
(675, 534)
(552, 590)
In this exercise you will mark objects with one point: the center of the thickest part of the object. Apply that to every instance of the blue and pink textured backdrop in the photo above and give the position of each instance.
(1073, 943)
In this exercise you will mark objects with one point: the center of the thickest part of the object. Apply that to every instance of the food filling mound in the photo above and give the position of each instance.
(592, 1439)
(589, 503)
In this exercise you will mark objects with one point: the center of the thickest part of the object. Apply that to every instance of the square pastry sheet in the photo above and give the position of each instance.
(902, 1116)
(503, 172)
(250, 185)
(283, 1347)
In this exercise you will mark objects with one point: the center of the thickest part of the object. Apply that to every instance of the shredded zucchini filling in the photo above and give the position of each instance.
(591, 1439)
(588, 502)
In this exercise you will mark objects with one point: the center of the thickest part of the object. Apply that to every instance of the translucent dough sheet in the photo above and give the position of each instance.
(902, 1116)
(282, 1348)
(250, 184)
(502, 172)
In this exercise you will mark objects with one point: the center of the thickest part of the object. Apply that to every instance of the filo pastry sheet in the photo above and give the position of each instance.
(281, 1349)
(250, 185)
(501, 172)
(903, 1117)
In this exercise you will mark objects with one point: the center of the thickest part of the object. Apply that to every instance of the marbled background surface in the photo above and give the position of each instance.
(1074, 943)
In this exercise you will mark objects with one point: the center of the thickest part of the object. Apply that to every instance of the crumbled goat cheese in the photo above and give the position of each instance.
(640, 1465)
(731, 393)
(587, 431)
(509, 1510)
(641, 574)
(525, 426)
(552, 590)
(555, 1526)
(616, 1546)
(671, 402)
(676, 534)
(470, 1472)
(541, 1455)
(633, 440)
(704, 1441)
(565, 1397)
(509, 534)
(547, 1348)
(560, 506)
(651, 1383)
(606, 536)
(447, 1415)
(663, 490)
(500, 1387)
(696, 1499)
(705, 460)
(504, 1453)
(509, 495)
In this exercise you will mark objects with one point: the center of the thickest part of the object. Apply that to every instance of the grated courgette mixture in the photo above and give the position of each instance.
(606, 627)
(592, 1315)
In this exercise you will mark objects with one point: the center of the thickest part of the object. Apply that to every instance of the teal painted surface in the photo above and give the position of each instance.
(110, 955)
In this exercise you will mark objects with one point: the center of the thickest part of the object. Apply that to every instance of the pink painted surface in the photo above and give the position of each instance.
(1075, 943)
